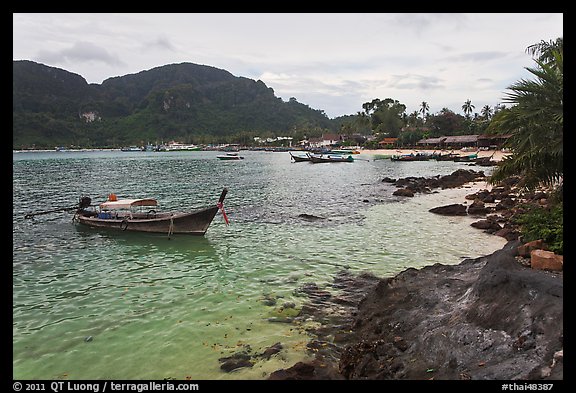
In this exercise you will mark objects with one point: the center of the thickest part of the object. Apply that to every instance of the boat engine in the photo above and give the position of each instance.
(84, 202)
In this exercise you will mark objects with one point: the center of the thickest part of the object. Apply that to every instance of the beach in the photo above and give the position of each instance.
(497, 155)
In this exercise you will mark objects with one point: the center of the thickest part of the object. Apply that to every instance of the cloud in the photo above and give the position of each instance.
(413, 81)
(479, 56)
(161, 42)
(81, 51)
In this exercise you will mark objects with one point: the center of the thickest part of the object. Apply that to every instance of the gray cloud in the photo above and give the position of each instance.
(413, 81)
(161, 42)
(479, 56)
(80, 52)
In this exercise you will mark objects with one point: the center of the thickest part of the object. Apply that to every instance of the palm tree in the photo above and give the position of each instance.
(544, 50)
(535, 122)
(467, 108)
(424, 108)
(486, 112)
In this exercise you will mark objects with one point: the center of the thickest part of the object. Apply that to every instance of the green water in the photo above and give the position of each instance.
(89, 304)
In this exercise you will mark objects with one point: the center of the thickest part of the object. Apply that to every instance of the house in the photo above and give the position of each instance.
(453, 141)
(325, 140)
(387, 142)
(493, 141)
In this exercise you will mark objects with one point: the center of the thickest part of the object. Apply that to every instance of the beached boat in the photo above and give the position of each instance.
(230, 156)
(411, 157)
(140, 215)
(447, 157)
(467, 158)
(315, 159)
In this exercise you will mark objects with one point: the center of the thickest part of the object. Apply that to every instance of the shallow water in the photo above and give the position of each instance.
(108, 305)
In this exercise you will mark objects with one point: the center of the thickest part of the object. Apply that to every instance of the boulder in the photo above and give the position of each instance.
(525, 249)
(403, 192)
(455, 209)
(477, 208)
(546, 260)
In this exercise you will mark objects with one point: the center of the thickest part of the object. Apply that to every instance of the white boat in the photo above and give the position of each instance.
(177, 146)
(131, 148)
(230, 156)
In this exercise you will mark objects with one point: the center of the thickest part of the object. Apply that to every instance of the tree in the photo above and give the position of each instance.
(424, 108)
(445, 122)
(467, 108)
(486, 112)
(535, 122)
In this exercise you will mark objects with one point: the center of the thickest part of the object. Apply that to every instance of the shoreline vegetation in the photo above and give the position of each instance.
(496, 317)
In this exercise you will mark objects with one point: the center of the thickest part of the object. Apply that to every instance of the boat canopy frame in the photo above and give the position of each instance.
(128, 204)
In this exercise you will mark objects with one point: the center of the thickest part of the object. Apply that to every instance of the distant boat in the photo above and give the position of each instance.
(411, 157)
(230, 156)
(300, 158)
(177, 146)
(467, 158)
(131, 148)
(60, 148)
(316, 159)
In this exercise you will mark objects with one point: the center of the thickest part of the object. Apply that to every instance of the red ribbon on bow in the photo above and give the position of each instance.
(221, 207)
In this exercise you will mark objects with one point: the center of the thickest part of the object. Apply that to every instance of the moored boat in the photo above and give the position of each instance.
(140, 215)
(315, 159)
(230, 156)
(300, 158)
(410, 157)
(132, 148)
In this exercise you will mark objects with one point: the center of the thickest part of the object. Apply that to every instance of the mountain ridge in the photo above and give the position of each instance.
(185, 101)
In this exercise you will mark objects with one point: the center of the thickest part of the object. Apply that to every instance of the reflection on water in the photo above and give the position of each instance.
(91, 304)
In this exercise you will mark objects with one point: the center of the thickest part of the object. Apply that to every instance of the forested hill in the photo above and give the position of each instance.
(187, 102)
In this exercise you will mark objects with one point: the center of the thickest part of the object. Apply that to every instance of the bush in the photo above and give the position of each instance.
(546, 224)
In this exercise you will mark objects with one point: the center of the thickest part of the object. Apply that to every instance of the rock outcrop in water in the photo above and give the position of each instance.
(486, 318)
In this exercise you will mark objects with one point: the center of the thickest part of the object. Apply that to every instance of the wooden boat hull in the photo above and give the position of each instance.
(317, 160)
(300, 158)
(191, 223)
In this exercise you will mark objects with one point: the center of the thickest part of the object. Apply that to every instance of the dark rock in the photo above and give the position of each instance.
(489, 226)
(455, 209)
(474, 331)
(403, 192)
(310, 217)
(271, 350)
(314, 370)
(477, 208)
(238, 360)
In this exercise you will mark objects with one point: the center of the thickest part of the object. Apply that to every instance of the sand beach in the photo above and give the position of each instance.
(496, 155)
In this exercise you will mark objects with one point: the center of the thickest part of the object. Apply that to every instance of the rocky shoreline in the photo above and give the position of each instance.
(489, 318)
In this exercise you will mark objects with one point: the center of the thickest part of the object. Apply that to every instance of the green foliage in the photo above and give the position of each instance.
(185, 102)
(535, 123)
(546, 224)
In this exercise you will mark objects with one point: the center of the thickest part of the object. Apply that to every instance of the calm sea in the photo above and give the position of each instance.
(93, 304)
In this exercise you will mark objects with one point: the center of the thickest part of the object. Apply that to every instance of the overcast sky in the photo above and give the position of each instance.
(333, 62)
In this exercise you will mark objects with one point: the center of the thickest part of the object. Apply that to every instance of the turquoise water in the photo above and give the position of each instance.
(90, 304)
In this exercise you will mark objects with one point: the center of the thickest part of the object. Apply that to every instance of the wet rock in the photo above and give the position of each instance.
(488, 225)
(238, 360)
(477, 208)
(271, 350)
(455, 209)
(403, 192)
(310, 217)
